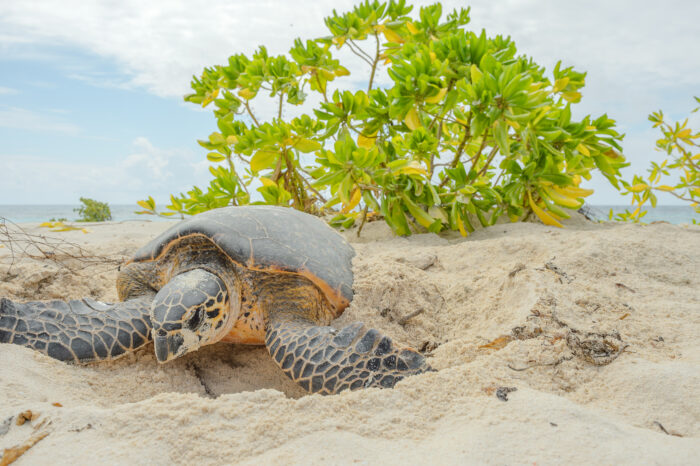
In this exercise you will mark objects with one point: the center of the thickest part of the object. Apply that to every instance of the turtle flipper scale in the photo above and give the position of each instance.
(78, 331)
(327, 361)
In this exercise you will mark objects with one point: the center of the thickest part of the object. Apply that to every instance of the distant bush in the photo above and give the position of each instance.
(680, 144)
(93, 211)
(466, 131)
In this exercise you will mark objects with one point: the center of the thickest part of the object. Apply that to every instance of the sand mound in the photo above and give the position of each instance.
(595, 327)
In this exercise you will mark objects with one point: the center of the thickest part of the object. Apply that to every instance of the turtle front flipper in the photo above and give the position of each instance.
(325, 360)
(78, 331)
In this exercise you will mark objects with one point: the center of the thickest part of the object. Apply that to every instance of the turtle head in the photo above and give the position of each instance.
(190, 311)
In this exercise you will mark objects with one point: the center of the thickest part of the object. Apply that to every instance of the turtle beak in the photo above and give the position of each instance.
(167, 347)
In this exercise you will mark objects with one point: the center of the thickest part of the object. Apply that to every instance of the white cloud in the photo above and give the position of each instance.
(639, 54)
(20, 118)
(7, 90)
(146, 170)
(160, 44)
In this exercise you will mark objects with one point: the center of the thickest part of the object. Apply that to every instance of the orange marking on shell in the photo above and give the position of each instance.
(334, 296)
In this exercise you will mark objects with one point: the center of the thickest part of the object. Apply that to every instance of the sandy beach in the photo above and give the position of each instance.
(553, 346)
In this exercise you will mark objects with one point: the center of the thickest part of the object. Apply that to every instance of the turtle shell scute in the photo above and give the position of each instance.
(270, 238)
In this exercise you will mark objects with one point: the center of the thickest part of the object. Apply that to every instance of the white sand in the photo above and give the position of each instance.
(640, 281)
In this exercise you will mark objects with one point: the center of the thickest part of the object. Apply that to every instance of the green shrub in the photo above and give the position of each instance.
(467, 130)
(93, 211)
(679, 143)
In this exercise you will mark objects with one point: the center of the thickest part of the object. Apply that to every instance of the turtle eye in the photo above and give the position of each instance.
(196, 318)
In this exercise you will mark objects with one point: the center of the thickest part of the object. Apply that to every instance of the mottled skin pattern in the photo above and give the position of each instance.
(320, 358)
(80, 330)
(194, 293)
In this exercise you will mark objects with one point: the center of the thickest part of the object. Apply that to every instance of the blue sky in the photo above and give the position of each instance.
(91, 103)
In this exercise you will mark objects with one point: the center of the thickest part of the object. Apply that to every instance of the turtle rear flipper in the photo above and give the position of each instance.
(325, 360)
(80, 330)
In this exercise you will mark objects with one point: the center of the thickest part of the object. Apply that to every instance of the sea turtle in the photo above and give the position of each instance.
(251, 275)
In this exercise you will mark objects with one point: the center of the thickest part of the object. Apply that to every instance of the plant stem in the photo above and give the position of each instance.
(488, 161)
(325, 96)
(476, 157)
(278, 170)
(458, 154)
(354, 50)
(311, 187)
(498, 178)
(374, 65)
(359, 49)
(279, 112)
(250, 112)
(364, 219)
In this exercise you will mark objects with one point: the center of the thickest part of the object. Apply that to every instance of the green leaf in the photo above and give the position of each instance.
(501, 134)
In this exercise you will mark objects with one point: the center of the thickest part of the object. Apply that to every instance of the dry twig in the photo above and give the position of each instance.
(20, 243)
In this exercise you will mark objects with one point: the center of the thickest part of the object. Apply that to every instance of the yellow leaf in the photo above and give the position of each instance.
(413, 168)
(246, 93)
(475, 73)
(267, 181)
(263, 159)
(583, 150)
(210, 97)
(392, 36)
(498, 343)
(215, 157)
(412, 28)
(638, 188)
(544, 216)
(341, 71)
(560, 84)
(684, 134)
(354, 200)
(412, 120)
(514, 124)
(562, 199)
(460, 225)
(231, 140)
(329, 75)
(307, 145)
(591, 128)
(145, 205)
(577, 180)
(664, 187)
(573, 191)
(339, 41)
(433, 57)
(573, 96)
(366, 142)
(438, 97)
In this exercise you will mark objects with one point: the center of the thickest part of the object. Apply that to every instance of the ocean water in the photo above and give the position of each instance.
(43, 213)
(121, 212)
(661, 213)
